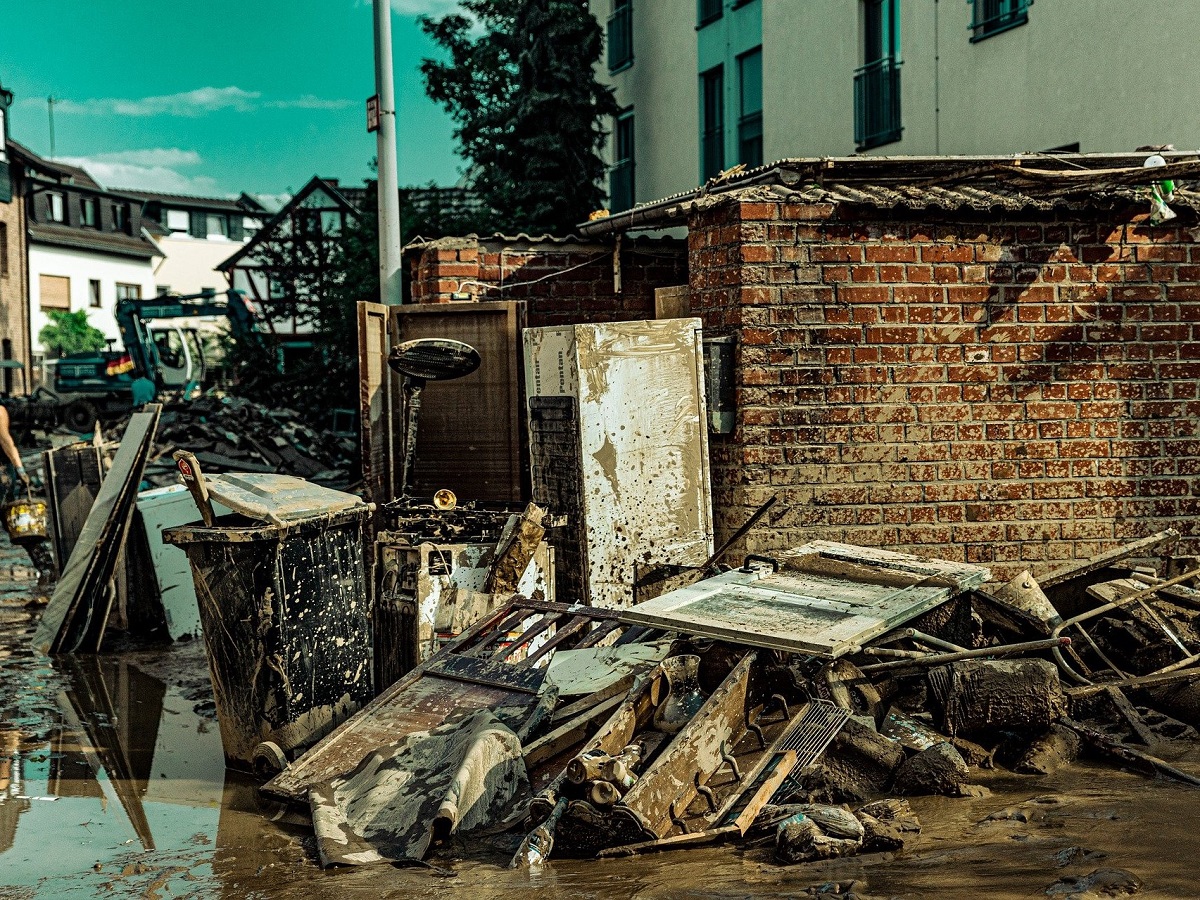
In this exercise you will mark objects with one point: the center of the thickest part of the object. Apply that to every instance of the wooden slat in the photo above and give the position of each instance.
(374, 402)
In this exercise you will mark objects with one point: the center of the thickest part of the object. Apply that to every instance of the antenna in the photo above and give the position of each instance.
(50, 101)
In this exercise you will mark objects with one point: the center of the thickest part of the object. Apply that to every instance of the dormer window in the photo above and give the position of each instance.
(55, 207)
(179, 221)
(88, 216)
(120, 216)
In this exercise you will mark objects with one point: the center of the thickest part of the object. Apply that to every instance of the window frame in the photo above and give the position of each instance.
(1015, 15)
(128, 291)
(3, 249)
(624, 135)
(86, 203)
(620, 21)
(42, 277)
(755, 117)
(187, 217)
(95, 297)
(702, 19)
(712, 132)
(52, 196)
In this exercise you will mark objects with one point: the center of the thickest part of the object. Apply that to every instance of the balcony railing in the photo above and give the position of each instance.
(877, 103)
(994, 16)
(710, 11)
(620, 38)
(620, 185)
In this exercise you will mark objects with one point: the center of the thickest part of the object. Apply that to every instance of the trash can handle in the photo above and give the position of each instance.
(754, 557)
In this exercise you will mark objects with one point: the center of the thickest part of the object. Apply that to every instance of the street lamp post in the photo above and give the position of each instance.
(385, 137)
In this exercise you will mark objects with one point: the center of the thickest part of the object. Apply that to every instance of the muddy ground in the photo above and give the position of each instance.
(112, 784)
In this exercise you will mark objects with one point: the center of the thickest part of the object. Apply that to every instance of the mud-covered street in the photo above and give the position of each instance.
(114, 785)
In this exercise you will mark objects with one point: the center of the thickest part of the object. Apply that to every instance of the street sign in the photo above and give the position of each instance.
(373, 113)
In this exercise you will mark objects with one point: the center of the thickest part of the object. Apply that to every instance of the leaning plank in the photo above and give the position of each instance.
(78, 610)
(568, 734)
(1107, 558)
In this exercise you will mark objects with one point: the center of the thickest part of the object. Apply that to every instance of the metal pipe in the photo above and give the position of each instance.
(385, 149)
(938, 659)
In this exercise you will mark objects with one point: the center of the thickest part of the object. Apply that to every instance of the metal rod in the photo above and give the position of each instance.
(938, 659)
(385, 147)
(932, 641)
(1136, 681)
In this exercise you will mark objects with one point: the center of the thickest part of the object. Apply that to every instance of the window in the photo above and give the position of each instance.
(217, 225)
(709, 11)
(87, 212)
(750, 123)
(994, 16)
(3, 249)
(308, 223)
(250, 226)
(621, 185)
(54, 207)
(128, 292)
(54, 291)
(620, 36)
(120, 215)
(94, 293)
(712, 122)
(161, 290)
(331, 221)
(877, 81)
(179, 221)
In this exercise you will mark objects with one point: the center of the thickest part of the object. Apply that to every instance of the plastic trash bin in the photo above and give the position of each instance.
(285, 613)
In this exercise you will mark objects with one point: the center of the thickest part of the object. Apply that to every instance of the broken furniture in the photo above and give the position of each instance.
(824, 599)
(283, 600)
(77, 615)
(619, 446)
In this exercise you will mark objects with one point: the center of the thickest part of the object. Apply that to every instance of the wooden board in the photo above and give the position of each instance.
(828, 600)
(374, 401)
(673, 302)
(278, 499)
(469, 437)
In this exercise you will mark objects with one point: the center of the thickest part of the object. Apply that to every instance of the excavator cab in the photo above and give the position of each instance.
(181, 363)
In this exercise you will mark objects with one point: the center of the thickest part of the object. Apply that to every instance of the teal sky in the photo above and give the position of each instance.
(218, 96)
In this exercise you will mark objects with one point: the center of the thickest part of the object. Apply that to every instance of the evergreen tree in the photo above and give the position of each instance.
(529, 112)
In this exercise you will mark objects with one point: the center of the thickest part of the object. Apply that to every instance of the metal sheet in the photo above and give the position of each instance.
(828, 600)
(277, 499)
(642, 446)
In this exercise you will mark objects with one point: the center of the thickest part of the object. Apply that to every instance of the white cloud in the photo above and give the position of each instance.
(155, 169)
(189, 104)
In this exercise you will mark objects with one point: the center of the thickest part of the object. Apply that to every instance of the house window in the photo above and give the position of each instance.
(709, 11)
(54, 292)
(162, 290)
(218, 225)
(3, 249)
(991, 17)
(179, 221)
(331, 221)
(120, 216)
(712, 122)
(750, 123)
(621, 185)
(87, 212)
(250, 226)
(54, 207)
(620, 36)
(94, 293)
(877, 81)
(128, 292)
(308, 223)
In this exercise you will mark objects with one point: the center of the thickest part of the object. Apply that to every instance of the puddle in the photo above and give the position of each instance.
(112, 784)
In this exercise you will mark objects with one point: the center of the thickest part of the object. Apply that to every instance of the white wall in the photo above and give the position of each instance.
(189, 264)
(81, 267)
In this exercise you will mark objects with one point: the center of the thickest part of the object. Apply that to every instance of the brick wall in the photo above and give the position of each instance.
(562, 282)
(1007, 393)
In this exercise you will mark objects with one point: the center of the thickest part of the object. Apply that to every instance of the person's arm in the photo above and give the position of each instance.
(9, 446)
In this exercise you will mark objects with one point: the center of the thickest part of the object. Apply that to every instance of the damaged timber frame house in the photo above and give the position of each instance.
(991, 360)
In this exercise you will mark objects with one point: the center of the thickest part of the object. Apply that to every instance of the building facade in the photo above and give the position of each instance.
(14, 278)
(705, 85)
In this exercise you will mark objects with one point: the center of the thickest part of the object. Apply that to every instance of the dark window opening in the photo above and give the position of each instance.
(93, 293)
(709, 11)
(55, 208)
(991, 17)
(620, 36)
(621, 179)
(712, 122)
(877, 81)
(750, 121)
(120, 215)
(88, 216)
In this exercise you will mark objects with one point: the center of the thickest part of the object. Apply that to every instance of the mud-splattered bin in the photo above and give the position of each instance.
(285, 614)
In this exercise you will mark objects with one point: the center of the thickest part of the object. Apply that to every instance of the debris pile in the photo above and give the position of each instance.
(232, 434)
(792, 704)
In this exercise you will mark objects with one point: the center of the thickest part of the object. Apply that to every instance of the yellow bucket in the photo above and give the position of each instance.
(26, 518)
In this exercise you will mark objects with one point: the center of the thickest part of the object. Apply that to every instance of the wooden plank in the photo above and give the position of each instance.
(469, 437)
(569, 733)
(1107, 558)
(374, 402)
(674, 302)
(616, 689)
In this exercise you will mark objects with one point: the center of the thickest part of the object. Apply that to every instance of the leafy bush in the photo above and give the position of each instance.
(70, 332)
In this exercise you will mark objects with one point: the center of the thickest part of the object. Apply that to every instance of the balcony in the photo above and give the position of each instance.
(877, 103)
(620, 38)
(995, 16)
(620, 187)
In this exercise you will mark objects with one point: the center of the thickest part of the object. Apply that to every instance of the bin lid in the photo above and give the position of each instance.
(277, 499)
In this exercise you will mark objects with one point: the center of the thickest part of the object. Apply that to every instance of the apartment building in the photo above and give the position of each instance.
(705, 85)
(14, 279)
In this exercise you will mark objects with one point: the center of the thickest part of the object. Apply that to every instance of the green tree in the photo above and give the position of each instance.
(70, 332)
(519, 83)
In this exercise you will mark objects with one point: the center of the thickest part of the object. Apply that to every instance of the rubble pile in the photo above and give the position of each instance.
(417, 520)
(232, 434)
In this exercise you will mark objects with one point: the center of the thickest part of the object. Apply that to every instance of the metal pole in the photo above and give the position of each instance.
(389, 187)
